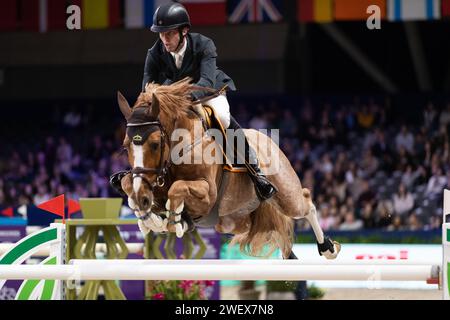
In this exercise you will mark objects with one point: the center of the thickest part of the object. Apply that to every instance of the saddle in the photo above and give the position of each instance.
(210, 120)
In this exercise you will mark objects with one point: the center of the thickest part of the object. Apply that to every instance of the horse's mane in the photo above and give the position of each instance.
(174, 100)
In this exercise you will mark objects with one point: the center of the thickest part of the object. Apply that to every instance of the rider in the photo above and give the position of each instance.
(178, 54)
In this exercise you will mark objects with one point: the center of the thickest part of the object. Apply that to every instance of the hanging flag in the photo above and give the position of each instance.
(139, 13)
(446, 8)
(73, 206)
(314, 10)
(403, 10)
(100, 14)
(56, 15)
(55, 206)
(240, 11)
(206, 12)
(8, 15)
(8, 212)
(94, 14)
(36, 15)
(356, 9)
(30, 15)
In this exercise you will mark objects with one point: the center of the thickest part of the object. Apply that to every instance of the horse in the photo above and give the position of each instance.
(169, 197)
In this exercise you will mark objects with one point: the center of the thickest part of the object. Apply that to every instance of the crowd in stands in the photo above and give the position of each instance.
(366, 166)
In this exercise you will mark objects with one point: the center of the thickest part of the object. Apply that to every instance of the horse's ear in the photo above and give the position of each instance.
(155, 107)
(123, 105)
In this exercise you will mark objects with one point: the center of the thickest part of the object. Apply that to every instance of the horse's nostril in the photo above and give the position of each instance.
(145, 203)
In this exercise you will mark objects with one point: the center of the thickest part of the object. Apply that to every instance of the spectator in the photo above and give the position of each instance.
(430, 117)
(367, 197)
(369, 164)
(409, 176)
(350, 223)
(403, 201)
(41, 196)
(414, 223)
(258, 122)
(436, 183)
(384, 217)
(444, 119)
(365, 118)
(405, 139)
(368, 217)
(326, 220)
(397, 224)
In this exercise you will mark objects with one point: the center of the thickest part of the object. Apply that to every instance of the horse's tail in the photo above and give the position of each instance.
(268, 226)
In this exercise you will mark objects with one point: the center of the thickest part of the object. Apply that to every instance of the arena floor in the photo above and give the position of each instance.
(232, 293)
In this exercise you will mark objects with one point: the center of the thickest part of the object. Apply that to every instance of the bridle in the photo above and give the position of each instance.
(163, 167)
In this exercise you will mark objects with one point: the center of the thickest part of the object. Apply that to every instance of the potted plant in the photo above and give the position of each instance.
(248, 291)
(179, 290)
(281, 290)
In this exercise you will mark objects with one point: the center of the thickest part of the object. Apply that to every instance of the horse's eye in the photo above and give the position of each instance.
(154, 146)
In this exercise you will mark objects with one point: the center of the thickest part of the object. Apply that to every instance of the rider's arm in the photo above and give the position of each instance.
(151, 71)
(207, 70)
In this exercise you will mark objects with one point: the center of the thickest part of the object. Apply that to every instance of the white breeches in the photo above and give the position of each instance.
(221, 109)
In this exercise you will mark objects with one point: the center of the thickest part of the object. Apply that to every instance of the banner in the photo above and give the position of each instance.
(315, 10)
(206, 12)
(404, 10)
(254, 11)
(356, 9)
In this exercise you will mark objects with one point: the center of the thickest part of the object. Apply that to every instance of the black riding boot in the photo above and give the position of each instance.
(263, 187)
(115, 179)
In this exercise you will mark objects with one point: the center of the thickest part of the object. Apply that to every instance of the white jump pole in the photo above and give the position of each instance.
(211, 271)
(446, 245)
(256, 262)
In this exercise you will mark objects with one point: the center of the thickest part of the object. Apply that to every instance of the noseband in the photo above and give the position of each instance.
(163, 167)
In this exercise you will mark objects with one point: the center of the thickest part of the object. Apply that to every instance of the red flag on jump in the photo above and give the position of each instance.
(55, 206)
(9, 212)
(74, 206)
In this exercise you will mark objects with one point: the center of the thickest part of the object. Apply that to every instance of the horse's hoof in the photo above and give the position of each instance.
(143, 228)
(329, 248)
(337, 249)
(157, 220)
(179, 230)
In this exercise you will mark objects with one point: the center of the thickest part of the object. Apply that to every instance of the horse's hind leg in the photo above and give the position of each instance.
(301, 287)
(292, 256)
(328, 248)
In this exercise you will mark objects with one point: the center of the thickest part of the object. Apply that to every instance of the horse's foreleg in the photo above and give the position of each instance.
(194, 194)
(328, 248)
(153, 222)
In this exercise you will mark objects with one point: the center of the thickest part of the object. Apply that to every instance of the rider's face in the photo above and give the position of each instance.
(170, 39)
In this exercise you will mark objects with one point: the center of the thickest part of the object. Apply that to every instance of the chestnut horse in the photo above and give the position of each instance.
(169, 197)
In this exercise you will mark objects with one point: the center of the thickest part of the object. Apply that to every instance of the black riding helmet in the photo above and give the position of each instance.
(170, 16)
